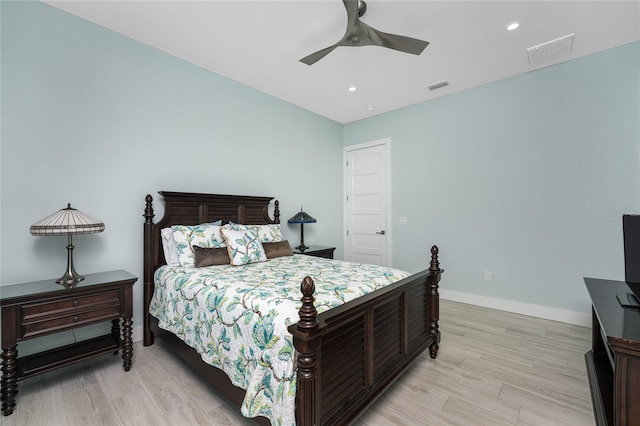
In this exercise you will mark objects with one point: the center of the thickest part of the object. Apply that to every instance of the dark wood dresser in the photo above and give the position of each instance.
(39, 308)
(613, 363)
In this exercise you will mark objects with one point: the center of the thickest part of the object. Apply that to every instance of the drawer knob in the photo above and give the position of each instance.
(75, 303)
(76, 319)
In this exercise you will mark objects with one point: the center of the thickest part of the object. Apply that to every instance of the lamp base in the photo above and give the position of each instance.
(302, 247)
(70, 280)
(70, 277)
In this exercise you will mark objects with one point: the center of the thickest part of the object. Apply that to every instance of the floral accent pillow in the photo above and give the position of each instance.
(243, 246)
(266, 233)
(270, 233)
(207, 236)
(237, 227)
(169, 244)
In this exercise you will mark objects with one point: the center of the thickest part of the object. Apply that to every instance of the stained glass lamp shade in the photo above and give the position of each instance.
(302, 218)
(68, 222)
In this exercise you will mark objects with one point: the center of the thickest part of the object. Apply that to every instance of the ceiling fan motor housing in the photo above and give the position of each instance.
(362, 8)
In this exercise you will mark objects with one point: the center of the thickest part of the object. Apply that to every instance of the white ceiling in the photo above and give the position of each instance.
(259, 43)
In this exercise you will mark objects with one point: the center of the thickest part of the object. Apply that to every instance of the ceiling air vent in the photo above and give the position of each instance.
(550, 50)
(438, 85)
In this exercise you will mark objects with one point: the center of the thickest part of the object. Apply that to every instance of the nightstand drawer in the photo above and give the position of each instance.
(59, 323)
(42, 318)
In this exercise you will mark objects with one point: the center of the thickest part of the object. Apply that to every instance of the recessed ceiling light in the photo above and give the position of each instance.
(352, 88)
(512, 26)
(370, 108)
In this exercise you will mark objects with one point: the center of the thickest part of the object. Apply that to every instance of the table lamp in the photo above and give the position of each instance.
(67, 221)
(302, 218)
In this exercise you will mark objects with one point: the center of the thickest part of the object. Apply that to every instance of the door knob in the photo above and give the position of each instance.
(381, 232)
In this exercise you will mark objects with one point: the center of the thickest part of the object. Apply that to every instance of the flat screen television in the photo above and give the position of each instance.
(631, 232)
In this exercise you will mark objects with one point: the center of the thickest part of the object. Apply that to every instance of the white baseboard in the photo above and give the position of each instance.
(137, 334)
(569, 317)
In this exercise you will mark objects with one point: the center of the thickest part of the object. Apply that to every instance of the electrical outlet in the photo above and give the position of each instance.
(403, 220)
(487, 275)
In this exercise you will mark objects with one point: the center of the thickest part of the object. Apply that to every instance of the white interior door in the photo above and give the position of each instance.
(367, 237)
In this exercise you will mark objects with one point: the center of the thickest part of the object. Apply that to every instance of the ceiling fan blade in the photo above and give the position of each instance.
(352, 19)
(316, 56)
(398, 42)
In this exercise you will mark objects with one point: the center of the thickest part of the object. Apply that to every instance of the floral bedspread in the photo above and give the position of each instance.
(236, 317)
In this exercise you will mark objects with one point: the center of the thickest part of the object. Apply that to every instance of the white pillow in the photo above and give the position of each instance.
(243, 246)
(169, 247)
(169, 244)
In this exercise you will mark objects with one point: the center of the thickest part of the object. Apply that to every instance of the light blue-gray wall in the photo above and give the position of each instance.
(99, 120)
(525, 177)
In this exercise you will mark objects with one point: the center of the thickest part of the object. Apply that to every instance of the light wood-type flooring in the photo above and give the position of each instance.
(494, 368)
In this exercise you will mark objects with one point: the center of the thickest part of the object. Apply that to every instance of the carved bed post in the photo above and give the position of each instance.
(434, 301)
(307, 341)
(148, 268)
(276, 212)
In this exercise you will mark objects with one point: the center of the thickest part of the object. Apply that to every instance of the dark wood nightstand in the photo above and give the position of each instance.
(39, 308)
(317, 251)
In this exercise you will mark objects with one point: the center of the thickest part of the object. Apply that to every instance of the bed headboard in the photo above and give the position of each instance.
(187, 208)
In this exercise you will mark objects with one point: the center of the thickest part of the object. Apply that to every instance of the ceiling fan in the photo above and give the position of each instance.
(360, 34)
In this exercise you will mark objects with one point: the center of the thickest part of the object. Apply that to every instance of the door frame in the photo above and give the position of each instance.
(386, 142)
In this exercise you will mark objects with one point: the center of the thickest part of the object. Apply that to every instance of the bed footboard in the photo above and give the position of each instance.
(349, 355)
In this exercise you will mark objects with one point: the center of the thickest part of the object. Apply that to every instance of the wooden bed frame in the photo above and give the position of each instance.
(347, 356)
